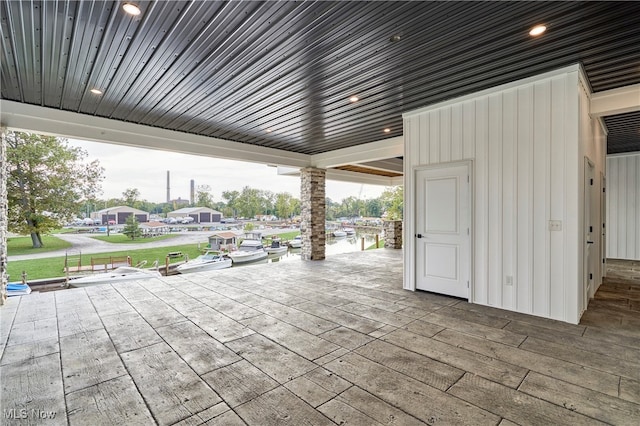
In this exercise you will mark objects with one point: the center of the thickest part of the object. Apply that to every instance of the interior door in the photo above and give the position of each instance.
(443, 241)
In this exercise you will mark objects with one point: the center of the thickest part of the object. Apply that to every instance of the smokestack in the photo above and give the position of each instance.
(168, 188)
(193, 191)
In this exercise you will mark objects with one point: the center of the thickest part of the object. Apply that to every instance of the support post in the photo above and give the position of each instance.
(312, 226)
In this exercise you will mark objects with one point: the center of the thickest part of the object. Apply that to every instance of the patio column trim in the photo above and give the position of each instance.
(4, 210)
(312, 226)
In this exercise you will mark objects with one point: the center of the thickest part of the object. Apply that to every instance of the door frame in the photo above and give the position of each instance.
(588, 217)
(410, 216)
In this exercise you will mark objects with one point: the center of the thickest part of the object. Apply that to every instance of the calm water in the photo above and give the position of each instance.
(333, 246)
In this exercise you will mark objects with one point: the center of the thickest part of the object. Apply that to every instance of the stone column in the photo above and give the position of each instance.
(392, 234)
(312, 229)
(4, 210)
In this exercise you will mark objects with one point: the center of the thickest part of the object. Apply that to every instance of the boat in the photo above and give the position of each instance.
(209, 261)
(123, 273)
(18, 289)
(250, 250)
(349, 231)
(296, 242)
(339, 233)
(276, 248)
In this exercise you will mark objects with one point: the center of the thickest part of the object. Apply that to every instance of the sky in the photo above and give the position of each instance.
(146, 169)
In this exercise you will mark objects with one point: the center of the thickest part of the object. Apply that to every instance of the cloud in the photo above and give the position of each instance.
(146, 169)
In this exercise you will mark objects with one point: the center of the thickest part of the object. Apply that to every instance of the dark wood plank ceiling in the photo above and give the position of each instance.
(280, 74)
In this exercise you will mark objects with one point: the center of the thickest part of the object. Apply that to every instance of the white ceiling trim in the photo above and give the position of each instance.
(373, 151)
(347, 176)
(37, 119)
(615, 101)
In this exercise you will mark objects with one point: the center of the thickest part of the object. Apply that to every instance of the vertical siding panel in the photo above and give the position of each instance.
(469, 129)
(434, 136)
(423, 131)
(637, 214)
(509, 181)
(632, 212)
(612, 202)
(525, 200)
(541, 140)
(482, 225)
(494, 208)
(456, 132)
(445, 135)
(557, 208)
(622, 207)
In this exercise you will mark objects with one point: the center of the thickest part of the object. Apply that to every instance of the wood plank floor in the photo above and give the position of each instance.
(312, 343)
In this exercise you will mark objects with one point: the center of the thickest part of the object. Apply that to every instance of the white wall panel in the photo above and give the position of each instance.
(623, 206)
(523, 140)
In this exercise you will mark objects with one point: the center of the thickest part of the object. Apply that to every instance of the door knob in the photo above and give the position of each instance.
(419, 235)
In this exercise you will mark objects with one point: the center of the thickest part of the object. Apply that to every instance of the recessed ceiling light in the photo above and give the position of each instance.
(387, 130)
(354, 99)
(131, 9)
(395, 38)
(96, 91)
(269, 130)
(537, 30)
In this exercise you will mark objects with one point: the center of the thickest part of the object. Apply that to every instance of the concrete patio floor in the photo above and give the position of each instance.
(311, 343)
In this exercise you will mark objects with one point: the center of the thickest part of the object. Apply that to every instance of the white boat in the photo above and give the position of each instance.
(209, 261)
(123, 273)
(249, 251)
(276, 248)
(339, 233)
(296, 242)
(18, 289)
(349, 231)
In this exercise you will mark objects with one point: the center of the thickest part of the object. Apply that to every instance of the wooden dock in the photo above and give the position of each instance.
(317, 343)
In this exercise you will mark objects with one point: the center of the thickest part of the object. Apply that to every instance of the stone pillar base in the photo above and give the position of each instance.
(392, 234)
(312, 226)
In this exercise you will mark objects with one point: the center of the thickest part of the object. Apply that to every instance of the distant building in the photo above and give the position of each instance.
(118, 215)
(199, 214)
(178, 202)
(223, 241)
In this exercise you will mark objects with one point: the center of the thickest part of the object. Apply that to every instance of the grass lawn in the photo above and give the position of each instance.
(23, 245)
(54, 267)
(373, 246)
(123, 239)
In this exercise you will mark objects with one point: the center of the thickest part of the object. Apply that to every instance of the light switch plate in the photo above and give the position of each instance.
(555, 225)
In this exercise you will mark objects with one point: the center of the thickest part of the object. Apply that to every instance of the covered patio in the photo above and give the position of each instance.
(315, 343)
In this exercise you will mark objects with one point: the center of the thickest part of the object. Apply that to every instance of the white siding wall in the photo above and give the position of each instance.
(523, 140)
(623, 206)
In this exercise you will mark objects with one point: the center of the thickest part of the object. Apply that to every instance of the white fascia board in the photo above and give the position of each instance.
(354, 177)
(373, 151)
(390, 165)
(615, 101)
(37, 119)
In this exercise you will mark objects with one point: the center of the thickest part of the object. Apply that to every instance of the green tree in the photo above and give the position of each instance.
(393, 200)
(47, 183)
(286, 206)
(203, 196)
(130, 196)
(131, 227)
(232, 203)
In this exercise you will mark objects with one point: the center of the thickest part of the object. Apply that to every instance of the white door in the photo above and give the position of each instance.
(443, 242)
